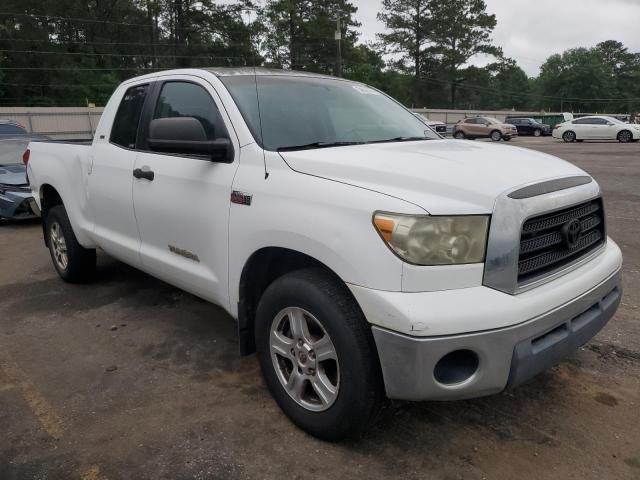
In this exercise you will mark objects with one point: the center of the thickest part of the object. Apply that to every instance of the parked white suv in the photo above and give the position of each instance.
(596, 128)
(361, 255)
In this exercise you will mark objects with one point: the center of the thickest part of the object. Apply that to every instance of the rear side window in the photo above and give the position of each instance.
(125, 125)
(10, 129)
(184, 99)
(584, 121)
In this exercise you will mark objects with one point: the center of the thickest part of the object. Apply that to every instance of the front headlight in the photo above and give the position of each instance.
(435, 240)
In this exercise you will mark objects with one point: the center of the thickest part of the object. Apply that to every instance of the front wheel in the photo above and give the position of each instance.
(537, 132)
(625, 136)
(496, 136)
(459, 135)
(317, 355)
(72, 261)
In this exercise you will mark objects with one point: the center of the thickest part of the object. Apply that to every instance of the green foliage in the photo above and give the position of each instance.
(577, 73)
(70, 52)
(299, 34)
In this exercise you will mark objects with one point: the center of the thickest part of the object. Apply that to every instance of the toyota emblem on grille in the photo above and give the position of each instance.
(572, 231)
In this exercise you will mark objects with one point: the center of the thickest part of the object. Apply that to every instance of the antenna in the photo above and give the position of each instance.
(255, 82)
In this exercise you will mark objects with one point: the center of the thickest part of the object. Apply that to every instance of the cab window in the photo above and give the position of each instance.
(185, 99)
(125, 125)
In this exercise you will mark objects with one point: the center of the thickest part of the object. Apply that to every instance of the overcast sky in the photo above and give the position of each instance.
(531, 30)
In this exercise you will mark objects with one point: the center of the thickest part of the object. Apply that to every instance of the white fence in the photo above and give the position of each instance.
(81, 122)
(451, 117)
(56, 122)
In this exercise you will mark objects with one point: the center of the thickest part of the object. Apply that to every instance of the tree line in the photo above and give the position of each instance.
(76, 52)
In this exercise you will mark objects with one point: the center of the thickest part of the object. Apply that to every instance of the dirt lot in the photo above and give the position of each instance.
(131, 378)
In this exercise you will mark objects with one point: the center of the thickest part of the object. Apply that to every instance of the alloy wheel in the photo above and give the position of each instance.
(624, 136)
(59, 246)
(305, 359)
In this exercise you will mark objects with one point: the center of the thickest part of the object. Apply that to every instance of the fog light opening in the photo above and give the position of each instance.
(456, 367)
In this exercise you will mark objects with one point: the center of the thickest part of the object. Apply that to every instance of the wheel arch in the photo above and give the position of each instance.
(260, 270)
(49, 198)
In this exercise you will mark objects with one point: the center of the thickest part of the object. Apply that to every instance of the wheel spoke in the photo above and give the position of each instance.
(324, 349)
(280, 344)
(323, 388)
(298, 325)
(295, 384)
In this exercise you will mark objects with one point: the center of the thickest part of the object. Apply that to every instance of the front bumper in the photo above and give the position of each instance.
(413, 367)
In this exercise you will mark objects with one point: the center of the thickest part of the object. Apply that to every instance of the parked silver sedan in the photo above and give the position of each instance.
(15, 194)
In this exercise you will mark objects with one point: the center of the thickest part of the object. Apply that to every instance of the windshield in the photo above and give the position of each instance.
(310, 112)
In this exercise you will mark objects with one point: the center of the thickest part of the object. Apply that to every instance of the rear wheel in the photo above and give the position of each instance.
(459, 135)
(317, 355)
(72, 261)
(625, 136)
(496, 136)
(569, 137)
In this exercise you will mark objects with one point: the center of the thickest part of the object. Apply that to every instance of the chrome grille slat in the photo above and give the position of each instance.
(552, 221)
(544, 247)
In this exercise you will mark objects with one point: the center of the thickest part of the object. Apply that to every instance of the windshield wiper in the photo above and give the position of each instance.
(309, 146)
(401, 139)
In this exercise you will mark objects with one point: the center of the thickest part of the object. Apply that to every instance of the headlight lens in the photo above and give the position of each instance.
(435, 240)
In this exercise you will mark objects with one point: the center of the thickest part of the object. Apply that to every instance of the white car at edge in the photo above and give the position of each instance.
(362, 256)
(596, 127)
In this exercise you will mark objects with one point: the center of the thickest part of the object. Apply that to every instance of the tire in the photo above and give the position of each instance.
(625, 136)
(325, 306)
(569, 137)
(459, 135)
(496, 136)
(73, 262)
(537, 132)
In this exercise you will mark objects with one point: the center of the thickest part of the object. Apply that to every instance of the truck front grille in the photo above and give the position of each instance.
(550, 241)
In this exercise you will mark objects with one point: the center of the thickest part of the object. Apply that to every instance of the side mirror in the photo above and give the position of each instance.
(186, 135)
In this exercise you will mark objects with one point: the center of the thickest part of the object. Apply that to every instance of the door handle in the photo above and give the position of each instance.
(139, 173)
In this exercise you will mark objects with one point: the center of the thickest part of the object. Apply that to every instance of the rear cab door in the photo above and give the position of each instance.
(183, 212)
(110, 181)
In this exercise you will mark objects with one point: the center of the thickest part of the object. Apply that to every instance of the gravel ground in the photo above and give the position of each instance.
(130, 378)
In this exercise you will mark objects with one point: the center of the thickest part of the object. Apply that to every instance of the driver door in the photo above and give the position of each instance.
(181, 200)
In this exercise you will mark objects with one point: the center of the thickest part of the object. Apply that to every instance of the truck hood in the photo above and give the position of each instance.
(441, 176)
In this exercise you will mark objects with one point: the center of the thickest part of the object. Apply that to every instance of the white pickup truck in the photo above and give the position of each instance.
(362, 255)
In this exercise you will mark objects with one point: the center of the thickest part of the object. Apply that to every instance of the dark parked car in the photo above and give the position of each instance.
(529, 126)
(15, 194)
